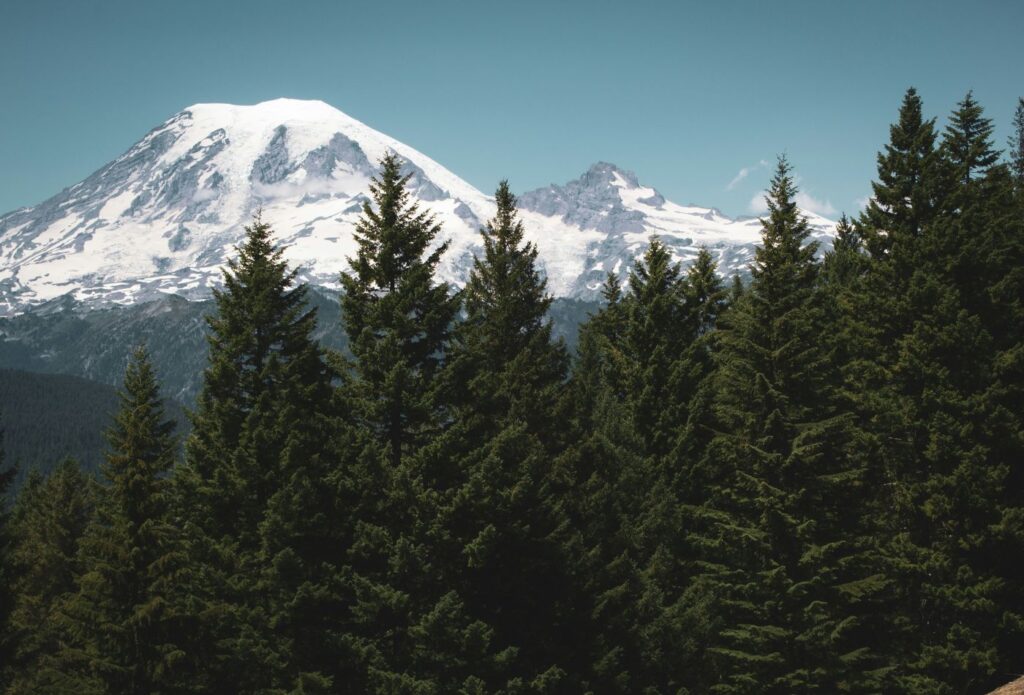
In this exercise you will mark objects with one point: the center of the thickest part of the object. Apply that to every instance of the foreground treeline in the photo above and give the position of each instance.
(809, 483)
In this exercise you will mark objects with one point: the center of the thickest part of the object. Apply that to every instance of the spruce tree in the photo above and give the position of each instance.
(6, 568)
(256, 424)
(903, 195)
(705, 302)
(398, 320)
(48, 521)
(967, 141)
(125, 627)
(636, 375)
(266, 375)
(1016, 143)
(782, 539)
(502, 520)
(923, 337)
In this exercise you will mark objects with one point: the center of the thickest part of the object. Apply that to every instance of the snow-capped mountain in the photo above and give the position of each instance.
(163, 217)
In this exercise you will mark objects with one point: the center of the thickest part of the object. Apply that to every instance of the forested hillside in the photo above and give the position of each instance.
(67, 337)
(49, 417)
(808, 482)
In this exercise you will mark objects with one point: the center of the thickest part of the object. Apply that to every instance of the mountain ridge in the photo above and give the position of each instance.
(162, 218)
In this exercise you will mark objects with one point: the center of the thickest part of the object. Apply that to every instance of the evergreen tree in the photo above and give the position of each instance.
(903, 196)
(705, 302)
(923, 352)
(260, 410)
(502, 523)
(266, 375)
(783, 538)
(967, 141)
(6, 569)
(1016, 143)
(605, 492)
(48, 522)
(398, 320)
(125, 627)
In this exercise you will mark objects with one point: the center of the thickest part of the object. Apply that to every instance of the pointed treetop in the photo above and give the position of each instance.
(611, 291)
(654, 274)
(784, 230)
(968, 140)
(1016, 143)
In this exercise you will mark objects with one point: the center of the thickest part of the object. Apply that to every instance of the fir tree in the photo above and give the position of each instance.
(967, 141)
(48, 522)
(783, 560)
(266, 374)
(398, 320)
(258, 416)
(923, 350)
(903, 195)
(6, 569)
(503, 523)
(1016, 143)
(125, 626)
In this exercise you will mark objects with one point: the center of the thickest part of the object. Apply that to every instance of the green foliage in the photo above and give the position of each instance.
(404, 624)
(500, 524)
(6, 567)
(809, 483)
(122, 629)
(48, 522)
(1016, 143)
(784, 545)
(264, 395)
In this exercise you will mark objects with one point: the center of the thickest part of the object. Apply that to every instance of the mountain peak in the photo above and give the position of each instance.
(274, 108)
(608, 173)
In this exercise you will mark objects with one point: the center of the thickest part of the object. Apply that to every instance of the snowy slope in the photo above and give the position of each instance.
(603, 220)
(163, 217)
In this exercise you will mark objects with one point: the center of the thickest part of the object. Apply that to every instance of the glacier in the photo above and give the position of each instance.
(164, 217)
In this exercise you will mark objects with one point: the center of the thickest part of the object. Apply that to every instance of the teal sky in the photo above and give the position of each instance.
(685, 94)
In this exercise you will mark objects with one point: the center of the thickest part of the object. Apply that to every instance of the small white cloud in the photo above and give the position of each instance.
(744, 173)
(757, 204)
(805, 201)
(819, 207)
(862, 203)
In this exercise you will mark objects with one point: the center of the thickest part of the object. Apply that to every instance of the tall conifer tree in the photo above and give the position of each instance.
(125, 626)
(398, 319)
(264, 391)
(1016, 143)
(6, 568)
(784, 560)
(504, 522)
(48, 522)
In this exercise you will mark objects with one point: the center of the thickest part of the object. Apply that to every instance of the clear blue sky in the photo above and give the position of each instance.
(686, 94)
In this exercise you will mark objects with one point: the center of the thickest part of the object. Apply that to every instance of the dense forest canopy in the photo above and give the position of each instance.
(811, 481)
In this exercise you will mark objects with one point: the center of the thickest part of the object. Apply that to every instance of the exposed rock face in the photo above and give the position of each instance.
(164, 217)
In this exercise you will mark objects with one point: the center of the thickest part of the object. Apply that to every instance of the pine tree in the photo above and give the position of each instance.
(48, 522)
(784, 560)
(125, 627)
(640, 367)
(967, 141)
(502, 521)
(656, 334)
(398, 320)
(705, 302)
(604, 489)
